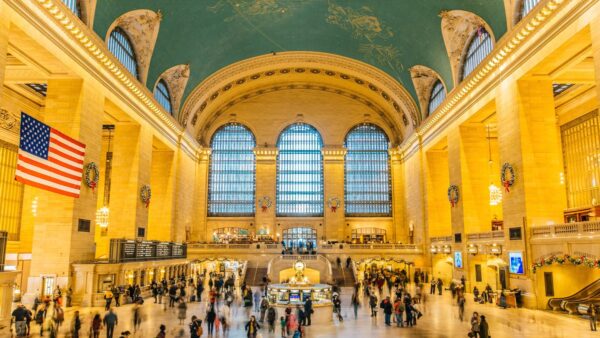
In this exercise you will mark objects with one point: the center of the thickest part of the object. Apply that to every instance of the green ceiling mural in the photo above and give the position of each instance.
(392, 35)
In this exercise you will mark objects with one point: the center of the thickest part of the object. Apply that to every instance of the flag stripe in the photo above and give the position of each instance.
(56, 150)
(36, 167)
(47, 178)
(66, 148)
(67, 139)
(35, 181)
(54, 158)
(25, 156)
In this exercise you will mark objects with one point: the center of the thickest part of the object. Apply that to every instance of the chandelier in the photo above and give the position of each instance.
(495, 194)
(102, 216)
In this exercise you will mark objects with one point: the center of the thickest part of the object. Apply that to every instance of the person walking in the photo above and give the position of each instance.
(355, 304)
(592, 313)
(386, 305)
(181, 311)
(475, 329)
(19, 316)
(211, 315)
(271, 317)
(108, 297)
(373, 305)
(196, 328)
(110, 321)
(440, 284)
(257, 304)
(398, 310)
(308, 310)
(264, 305)
(252, 327)
(76, 326)
(432, 287)
(484, 330)
(461, 308)
(96, 326)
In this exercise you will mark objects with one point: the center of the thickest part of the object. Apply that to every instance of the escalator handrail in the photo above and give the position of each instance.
(583, 293)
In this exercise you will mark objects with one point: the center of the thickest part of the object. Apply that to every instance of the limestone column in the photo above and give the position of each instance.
(131, 168)
(529, 140)
(333, 184)
(457, 212)
(266, 182)
(414, 197)
(595, 36)
(199, 228)
(162, 180)
(4, 32)
(438, 208)
(75, 108)
(184, 196)
(399, 231)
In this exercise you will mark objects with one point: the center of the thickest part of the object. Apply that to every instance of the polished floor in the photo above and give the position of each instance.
(440, 320)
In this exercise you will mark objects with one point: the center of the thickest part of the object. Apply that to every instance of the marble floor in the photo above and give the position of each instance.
(440, 319)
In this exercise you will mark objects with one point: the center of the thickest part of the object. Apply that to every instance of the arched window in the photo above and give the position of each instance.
(231, 182)
(479, 47)
(73, 6)
(526, 7)
(300, 172)
(121, 47)
(367, 171)
(161, 94)
(438, 94)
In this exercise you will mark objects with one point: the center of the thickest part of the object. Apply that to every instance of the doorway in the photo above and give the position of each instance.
(299, 237)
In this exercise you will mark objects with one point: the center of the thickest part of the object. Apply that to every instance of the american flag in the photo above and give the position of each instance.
(49, 159)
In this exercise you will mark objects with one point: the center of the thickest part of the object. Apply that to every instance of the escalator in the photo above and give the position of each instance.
(590, 293)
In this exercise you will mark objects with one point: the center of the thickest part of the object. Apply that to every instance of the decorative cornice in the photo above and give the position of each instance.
(96, 50)
(266, 154)
(504, 49)
(333, 153)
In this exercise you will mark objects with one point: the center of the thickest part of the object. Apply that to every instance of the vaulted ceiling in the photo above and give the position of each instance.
(392, 35)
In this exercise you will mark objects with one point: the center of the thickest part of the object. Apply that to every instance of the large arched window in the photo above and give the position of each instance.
(121, 47)
(161, 94)
(478, 48)
(367, 171)
(299, 237)
(526, 7)
(300, 172)
(73, 6)
(438, 94)
(231, 182)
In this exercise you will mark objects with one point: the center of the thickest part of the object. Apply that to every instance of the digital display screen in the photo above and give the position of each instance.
(516, 262)
(458, 263)
(294, 297)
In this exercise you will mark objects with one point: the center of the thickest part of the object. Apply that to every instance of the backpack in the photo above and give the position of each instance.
(271, 314)
(199, 331)
(39, 317)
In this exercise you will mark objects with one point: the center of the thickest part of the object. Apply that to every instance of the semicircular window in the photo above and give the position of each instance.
(162, 95)
(367, 172)
(438, 94)
(122, 48)
(526, 7)
(231, 182)
(73, 6)
(478, 48)
(300, 171)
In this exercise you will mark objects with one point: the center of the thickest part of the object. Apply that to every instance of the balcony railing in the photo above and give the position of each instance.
(565, 229)
(439, 239)
(322, 248)
(490, 235)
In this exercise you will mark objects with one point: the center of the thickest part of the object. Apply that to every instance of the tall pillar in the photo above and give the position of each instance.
(185, 205)
(438, 208)
(529, 140)
(75, 108)
(266, 182)
(458, 211)
(131, 167)
(4, 32)
(595, 36)
(399, 233)
(199, 228)
(413, 198)
(333, 184)
(161, 225)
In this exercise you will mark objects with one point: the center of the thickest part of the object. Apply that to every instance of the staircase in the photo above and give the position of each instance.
(342, 276)
(254, 276)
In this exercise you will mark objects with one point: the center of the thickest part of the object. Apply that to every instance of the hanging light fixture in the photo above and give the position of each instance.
(103, 214)
(494, 190)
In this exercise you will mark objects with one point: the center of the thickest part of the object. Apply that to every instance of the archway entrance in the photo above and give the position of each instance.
(299, 237)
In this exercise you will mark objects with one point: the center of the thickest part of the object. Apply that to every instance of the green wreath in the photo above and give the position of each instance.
(453, 194)
(146, 194)
(507, 182)
(92, 175)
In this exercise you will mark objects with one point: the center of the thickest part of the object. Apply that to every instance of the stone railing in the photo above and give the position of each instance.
(441, 239)
(565, 229)
(262, 248)
(486, 236)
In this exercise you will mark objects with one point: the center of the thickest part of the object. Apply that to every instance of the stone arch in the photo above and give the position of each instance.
(458, 27)
(316, 69)
(142, 27)
(176, 78)
(424, 78)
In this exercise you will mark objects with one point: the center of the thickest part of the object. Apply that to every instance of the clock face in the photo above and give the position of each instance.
(299, 266)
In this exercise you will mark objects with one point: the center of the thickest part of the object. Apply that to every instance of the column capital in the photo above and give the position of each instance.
(266, 154)
(204, 154)
(396, 155)
(333, 153)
